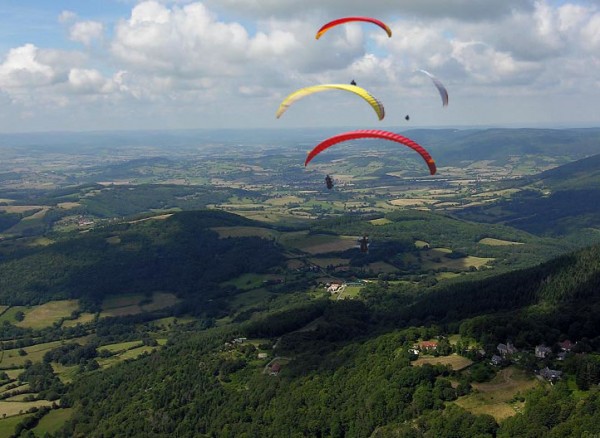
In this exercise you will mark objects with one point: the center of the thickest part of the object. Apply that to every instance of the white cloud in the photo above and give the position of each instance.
(460, 9)
(23, 68)
(86, 32)
(87, 81)
(66, 16)
(231, 61)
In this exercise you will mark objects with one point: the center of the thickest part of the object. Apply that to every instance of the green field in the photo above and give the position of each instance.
(17, 408)
(494, 398)
(382, 268)
(381, 221)
(9, 314)
(52, 421)
(45, 315)
(129, 354)
(326, 261)
(84, 318)
(352, 291)
(246, 281)
(324, 243)
(250, 298)
(35, 353)
(65, 373)
(435, 259)
(497, 242)
(240, 231)
(455, 361)
(8, 424)
(120, 347)
(130, 304)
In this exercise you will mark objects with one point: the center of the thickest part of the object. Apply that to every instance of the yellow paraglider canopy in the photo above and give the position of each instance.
(299, 94)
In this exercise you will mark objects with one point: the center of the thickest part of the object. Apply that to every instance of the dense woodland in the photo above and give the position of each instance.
(352, 376)
(179, 255)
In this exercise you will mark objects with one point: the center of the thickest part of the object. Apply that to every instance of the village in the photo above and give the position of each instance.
(506, 355)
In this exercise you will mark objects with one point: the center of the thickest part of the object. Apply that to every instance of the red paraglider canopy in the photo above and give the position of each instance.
(339, 21)
(372, 133)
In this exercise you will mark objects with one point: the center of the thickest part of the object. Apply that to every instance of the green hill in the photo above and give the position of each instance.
(557, 202)
(351, 376)
(179, 254)
(454, 147)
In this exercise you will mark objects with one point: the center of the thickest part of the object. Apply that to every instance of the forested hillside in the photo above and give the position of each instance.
(178, 254)
(557, 202)
(352, 375)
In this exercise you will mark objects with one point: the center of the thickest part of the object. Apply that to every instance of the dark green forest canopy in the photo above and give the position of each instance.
(179, 254)
(352, 376)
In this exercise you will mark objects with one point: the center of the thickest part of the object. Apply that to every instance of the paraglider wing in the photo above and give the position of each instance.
(299, 94)
(439, 86)
(372, 133)
(339, 21)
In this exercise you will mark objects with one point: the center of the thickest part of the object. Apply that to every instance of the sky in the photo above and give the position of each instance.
(180, 64)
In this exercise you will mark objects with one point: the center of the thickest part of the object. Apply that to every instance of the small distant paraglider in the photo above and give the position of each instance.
(438, 84)
(352, 82)
(364, 244)
(407, 117)
(339, 21)
(329, 182)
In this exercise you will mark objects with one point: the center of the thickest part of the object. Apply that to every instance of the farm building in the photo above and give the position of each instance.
(275, 369)
(428, 345)
(541, 351)
(506, 349)
(496, 360)
(550, 375)
(566, 345)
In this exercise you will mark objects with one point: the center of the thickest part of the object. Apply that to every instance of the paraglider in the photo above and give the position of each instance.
(364, 244)
(407, 117)
(339, 21)
(299, 94)
(372, 133)
(442, 90)
(352, 82)
(329, 182)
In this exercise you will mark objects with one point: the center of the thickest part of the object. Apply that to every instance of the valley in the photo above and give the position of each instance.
(110, 262)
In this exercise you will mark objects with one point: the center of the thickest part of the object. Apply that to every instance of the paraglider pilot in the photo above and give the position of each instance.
(364, 244)
(353, 82)
(328, 182)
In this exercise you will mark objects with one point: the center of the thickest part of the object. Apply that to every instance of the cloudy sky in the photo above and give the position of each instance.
(126, 64)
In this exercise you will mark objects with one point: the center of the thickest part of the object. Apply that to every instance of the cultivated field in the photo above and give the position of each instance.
(497, 242)
(35, 353)
(327, 261)
(7, 425)
(47, 314)
(52, 421)
(494, 398)
(16, 408)
(435, 259)
(324, 243)
(240, 231)
(381, 221)
(130, 304)
(454, 360)
(381, 268)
